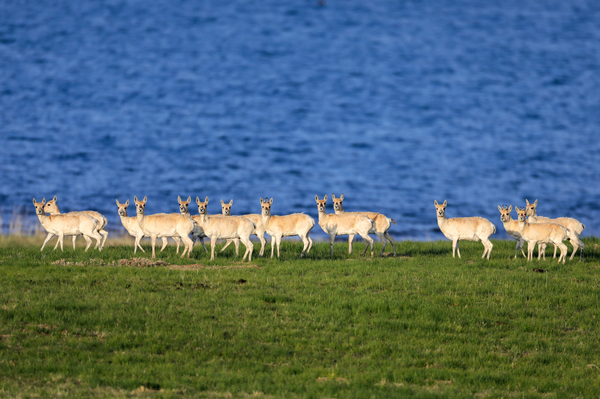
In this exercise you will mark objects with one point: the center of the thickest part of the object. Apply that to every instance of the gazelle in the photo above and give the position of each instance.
(227, 227)
(165, 225)
(574, 226)
(197, 232)
(473, 228)
(536, 233)
(342, 224)
(296, 224)
(52, 209)
(381, 224)
(512, 228)
(226, 211)
(67, 225)
(133, 228)
(259, 229)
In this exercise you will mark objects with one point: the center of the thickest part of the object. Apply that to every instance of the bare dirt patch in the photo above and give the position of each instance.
(145, 262)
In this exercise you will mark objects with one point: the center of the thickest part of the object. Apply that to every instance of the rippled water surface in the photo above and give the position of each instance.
(393, 103)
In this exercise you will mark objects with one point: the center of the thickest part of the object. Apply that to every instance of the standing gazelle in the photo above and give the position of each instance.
(67, 225)
(541, 233)
(259, 229)
(473, 228)
(52, 209)
(197, 232)
(225, 227)
(512, 228)
(296, 224)
(381, 224)
(133, 228)
(574, 226)
(342, 224)
(165, 225)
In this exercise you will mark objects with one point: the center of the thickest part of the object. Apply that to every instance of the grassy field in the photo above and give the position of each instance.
(422, 324)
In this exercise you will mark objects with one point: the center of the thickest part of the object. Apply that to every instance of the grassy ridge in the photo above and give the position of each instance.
(422, 324)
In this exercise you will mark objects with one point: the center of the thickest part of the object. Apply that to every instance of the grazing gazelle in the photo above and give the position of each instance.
(165, 225)
(574, 226)
(473, 228)
(296, 224)
(227, 227)
(133, 227)
(52, 209)
(512, 228)
(67, 225)
(537, 233)
(342, 224)
(381, 224)
(259, 230)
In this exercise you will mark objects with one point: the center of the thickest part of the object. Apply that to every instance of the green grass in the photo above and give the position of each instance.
(421, 324)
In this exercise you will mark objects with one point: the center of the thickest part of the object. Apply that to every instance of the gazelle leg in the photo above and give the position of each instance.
(350, 238)
(331, 239)
(369, 241)
(48, 237)
(390, 239)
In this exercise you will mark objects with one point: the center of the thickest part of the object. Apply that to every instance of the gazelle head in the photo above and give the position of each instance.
(266, 206)
(51, 207)
(123, 208)
(321, 204)
(522, 213)
(440, 209)
(140, 206)
(531, 208)
(505, 213)
(337, 203)
(184, 205)
(226, 208)
(39, 206)
(202, 206)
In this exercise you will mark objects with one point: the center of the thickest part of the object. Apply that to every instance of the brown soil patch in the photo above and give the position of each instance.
(145, 262)
(199, 266)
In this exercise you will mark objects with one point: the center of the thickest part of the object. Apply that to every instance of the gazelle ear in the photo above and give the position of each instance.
(261, 201)
(435, 202)
(135, 198)
(499, 208)
(206, 200)
(316, 198)
(333, 196)
(197, 200)
(34, 201)
(43, 200)
(445, 202)
(271, 200)
(510, 209)
(527, 201)
(118, 203)
(179, 199)
(54, 199)
(325, 197)
(230, 202)
(145, 199)
(342, 196)
(189, 199)
(222, 203)
(535, 203)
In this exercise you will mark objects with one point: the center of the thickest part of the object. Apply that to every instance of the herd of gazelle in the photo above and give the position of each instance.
(528, 227)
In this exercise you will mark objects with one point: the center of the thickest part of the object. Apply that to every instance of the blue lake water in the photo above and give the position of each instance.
(393, 103)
